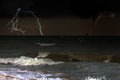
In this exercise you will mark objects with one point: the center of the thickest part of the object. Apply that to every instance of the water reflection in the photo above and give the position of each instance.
(26, 68)
(17, 74)
(29, 75)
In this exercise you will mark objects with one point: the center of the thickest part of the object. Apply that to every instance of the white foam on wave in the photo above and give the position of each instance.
(25, 61)
(95, 78)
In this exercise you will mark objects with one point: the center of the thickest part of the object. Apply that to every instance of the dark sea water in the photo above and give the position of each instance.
(22, 44)
(13, 47)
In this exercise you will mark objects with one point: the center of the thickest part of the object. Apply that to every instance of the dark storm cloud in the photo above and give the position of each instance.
(59, 7)
(10, 6)
(42, 7)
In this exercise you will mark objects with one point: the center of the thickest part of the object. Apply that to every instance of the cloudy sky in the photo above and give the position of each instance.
(50, 8)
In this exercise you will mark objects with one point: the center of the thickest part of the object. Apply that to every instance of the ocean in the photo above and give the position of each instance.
(60, 57)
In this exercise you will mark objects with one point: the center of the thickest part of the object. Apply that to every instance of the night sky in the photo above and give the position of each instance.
(46, 8)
